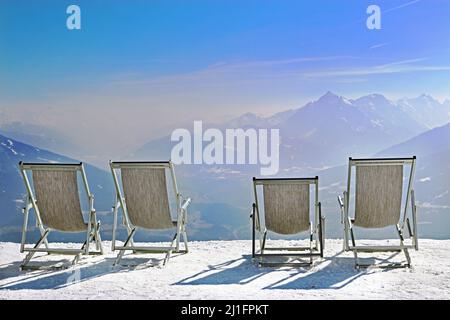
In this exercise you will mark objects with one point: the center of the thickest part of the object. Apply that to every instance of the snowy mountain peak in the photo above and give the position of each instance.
(426, 96)
(329, 97)
(423, 98)
(332, 99)
(374, 98)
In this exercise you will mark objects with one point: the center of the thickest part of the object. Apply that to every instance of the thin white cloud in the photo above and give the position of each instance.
(379, 45)
(403, 66)
(225, 74)
(375, 71)
(401, 62)
(238, 71)
(278, 62)
(407, 4)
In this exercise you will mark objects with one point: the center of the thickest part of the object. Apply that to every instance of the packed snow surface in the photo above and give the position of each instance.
(224, 270)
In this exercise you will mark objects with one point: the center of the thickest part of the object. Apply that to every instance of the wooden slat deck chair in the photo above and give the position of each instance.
(379, 185)
(54, 196)
(143, 199)
(287, 211)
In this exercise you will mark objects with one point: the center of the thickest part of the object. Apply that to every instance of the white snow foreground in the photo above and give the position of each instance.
(223, 270)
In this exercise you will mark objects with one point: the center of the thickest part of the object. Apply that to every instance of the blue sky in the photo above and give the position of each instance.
(210, 59)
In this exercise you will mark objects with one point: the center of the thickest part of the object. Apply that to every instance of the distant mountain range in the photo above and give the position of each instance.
(323, 132)
(206, 220)
(316, 139)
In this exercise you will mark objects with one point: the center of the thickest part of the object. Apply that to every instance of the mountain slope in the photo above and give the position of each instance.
(39, 136)
(429, 142)
(426, 110)
(12, 190)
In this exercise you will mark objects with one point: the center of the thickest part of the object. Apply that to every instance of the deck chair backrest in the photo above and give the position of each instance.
(378, 195)
(146, 197)
(286, 205)
(58, 199)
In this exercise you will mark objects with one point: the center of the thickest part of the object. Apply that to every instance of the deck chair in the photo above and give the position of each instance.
(378, 204)
(143, 198)
(287, 212)
(55, 199)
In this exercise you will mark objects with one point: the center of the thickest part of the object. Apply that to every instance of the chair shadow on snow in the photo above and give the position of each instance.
(329, 273)
(337, 273)
(83, 271)
(236, 271)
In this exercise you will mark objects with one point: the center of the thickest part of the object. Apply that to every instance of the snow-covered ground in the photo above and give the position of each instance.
(223, 270)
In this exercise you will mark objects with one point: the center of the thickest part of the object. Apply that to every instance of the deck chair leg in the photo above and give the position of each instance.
(119, 257)
(311, 240)
(355, 254)
(76, 259)
(97, 238)
(98, 241)
(94, 237)
(263, 242)
(321, 232)
(408, 258)
(173, 239)
(408, 225)
(177, 239)
(405, 250)
(122, 251)
(26, 260)
(166, 259)
(352, 234)
(29, 256)
(252, 216)
(185, 241)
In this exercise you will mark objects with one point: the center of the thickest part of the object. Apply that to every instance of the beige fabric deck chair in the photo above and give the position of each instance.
(56, 204)
(378, 204)
(287, 211)
(143, 198)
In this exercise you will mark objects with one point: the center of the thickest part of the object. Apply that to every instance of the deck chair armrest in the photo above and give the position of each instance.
(183, 209)
(186, 203)
(414, 217)
(340, 201)
(93, 215)
(342, 207)
(27, 207)
(91, 202)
